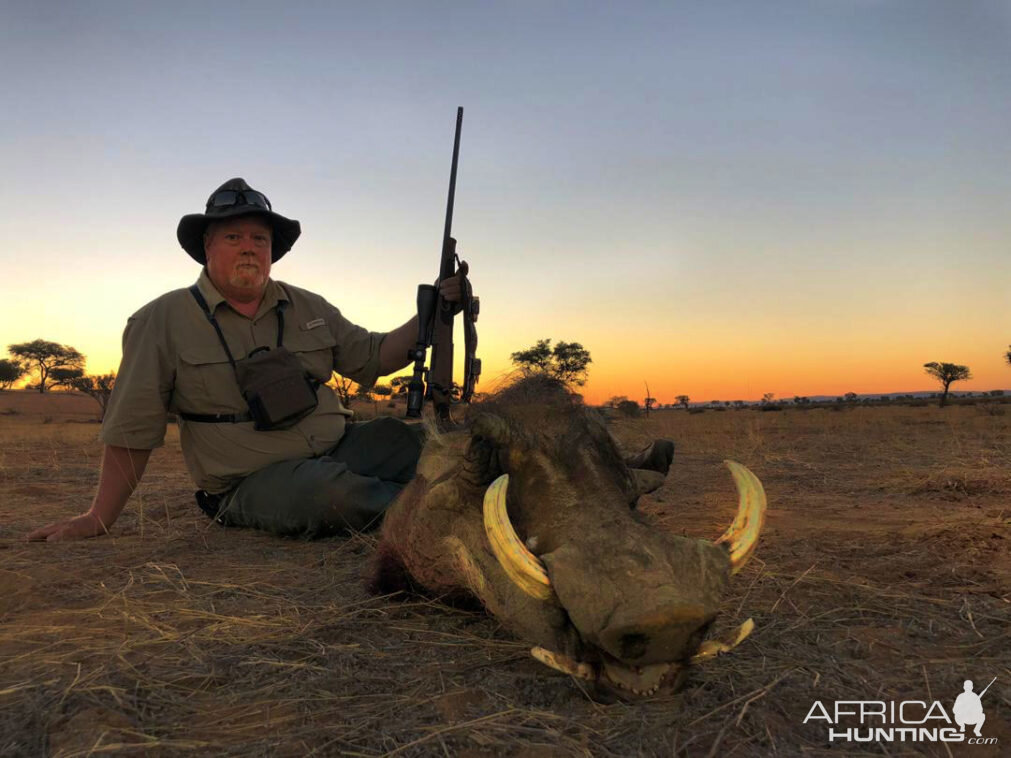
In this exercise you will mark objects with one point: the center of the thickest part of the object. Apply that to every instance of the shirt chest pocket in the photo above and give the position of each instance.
(205, 382)
(314, 348)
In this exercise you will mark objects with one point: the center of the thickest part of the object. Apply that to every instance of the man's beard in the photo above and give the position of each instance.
(247, 276)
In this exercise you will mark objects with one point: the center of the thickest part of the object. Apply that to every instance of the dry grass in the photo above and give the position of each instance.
(884, 573)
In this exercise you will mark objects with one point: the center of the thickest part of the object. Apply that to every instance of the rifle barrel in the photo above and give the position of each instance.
(452, 177)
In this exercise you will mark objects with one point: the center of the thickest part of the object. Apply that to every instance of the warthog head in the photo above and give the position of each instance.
(530, 510)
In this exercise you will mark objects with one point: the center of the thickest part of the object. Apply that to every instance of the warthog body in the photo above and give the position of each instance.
(620, 602)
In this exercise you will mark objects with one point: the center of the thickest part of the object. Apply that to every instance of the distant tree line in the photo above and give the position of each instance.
(946, 373)
(49, 365)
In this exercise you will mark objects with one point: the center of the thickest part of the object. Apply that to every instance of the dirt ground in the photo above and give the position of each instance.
(884, 574)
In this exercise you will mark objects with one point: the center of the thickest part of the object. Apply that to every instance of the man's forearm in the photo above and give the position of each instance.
(122, 469)
(393, 351)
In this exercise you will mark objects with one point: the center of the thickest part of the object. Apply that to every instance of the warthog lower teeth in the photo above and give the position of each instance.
(614, 674)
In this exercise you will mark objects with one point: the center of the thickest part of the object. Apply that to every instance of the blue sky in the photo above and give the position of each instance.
(725, 199)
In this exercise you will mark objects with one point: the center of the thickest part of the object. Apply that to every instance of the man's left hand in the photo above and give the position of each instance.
(451, 289)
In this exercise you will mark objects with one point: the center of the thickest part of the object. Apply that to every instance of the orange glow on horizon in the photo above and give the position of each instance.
(724, 373)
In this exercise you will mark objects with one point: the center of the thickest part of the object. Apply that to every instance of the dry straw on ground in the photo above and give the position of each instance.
(884, 574)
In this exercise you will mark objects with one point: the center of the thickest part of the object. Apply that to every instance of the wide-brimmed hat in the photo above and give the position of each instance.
(236, 198)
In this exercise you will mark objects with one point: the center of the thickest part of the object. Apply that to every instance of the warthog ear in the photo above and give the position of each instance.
(647, 481)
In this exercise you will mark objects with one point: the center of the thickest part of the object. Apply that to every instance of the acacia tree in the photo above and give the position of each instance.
(571, 360)
(44, 357)
(342, 386)
(400, 384)
(533, 360)
(10, 372)
(64, 377)
(1007, 355)
(947, 374)
(683, 401)
(97, 387)
(566, 362)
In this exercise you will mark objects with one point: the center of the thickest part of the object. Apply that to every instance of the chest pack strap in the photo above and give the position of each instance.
(227, 418)
(216, 418)
(199, 297)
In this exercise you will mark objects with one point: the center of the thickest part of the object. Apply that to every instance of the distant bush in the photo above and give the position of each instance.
(990, 409)
(97, 387)
(629, 408)
(696, 411)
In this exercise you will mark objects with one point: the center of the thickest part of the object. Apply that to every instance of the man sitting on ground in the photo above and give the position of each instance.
(242, 360)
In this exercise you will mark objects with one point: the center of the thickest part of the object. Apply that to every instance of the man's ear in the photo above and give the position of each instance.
(208, 236)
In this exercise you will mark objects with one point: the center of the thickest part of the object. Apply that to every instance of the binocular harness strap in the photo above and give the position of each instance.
(228, 418)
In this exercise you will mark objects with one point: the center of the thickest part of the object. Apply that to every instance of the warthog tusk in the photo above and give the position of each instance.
(563, 663)
(712, 648)
(742, 536)
(522, 567)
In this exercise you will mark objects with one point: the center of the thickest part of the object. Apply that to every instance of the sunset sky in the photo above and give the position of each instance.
(724, 199)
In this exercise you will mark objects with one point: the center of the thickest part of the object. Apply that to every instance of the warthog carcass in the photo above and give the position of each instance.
(531, 510)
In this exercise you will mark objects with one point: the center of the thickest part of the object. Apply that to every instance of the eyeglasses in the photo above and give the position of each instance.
(226, 198)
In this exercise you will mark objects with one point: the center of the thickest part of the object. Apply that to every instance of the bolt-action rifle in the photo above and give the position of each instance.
(435, 326)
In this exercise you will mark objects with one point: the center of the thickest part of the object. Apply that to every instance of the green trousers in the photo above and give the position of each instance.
(348, 489)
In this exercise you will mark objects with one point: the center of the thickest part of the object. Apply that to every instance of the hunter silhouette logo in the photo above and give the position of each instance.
(968, 708)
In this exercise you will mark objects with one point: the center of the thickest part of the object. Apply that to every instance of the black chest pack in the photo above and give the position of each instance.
(275, 386)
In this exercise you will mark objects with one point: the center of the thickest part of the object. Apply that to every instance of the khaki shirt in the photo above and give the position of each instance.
(173, 361)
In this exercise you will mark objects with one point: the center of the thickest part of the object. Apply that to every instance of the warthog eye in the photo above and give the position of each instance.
(482, 462)
(492, 428)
